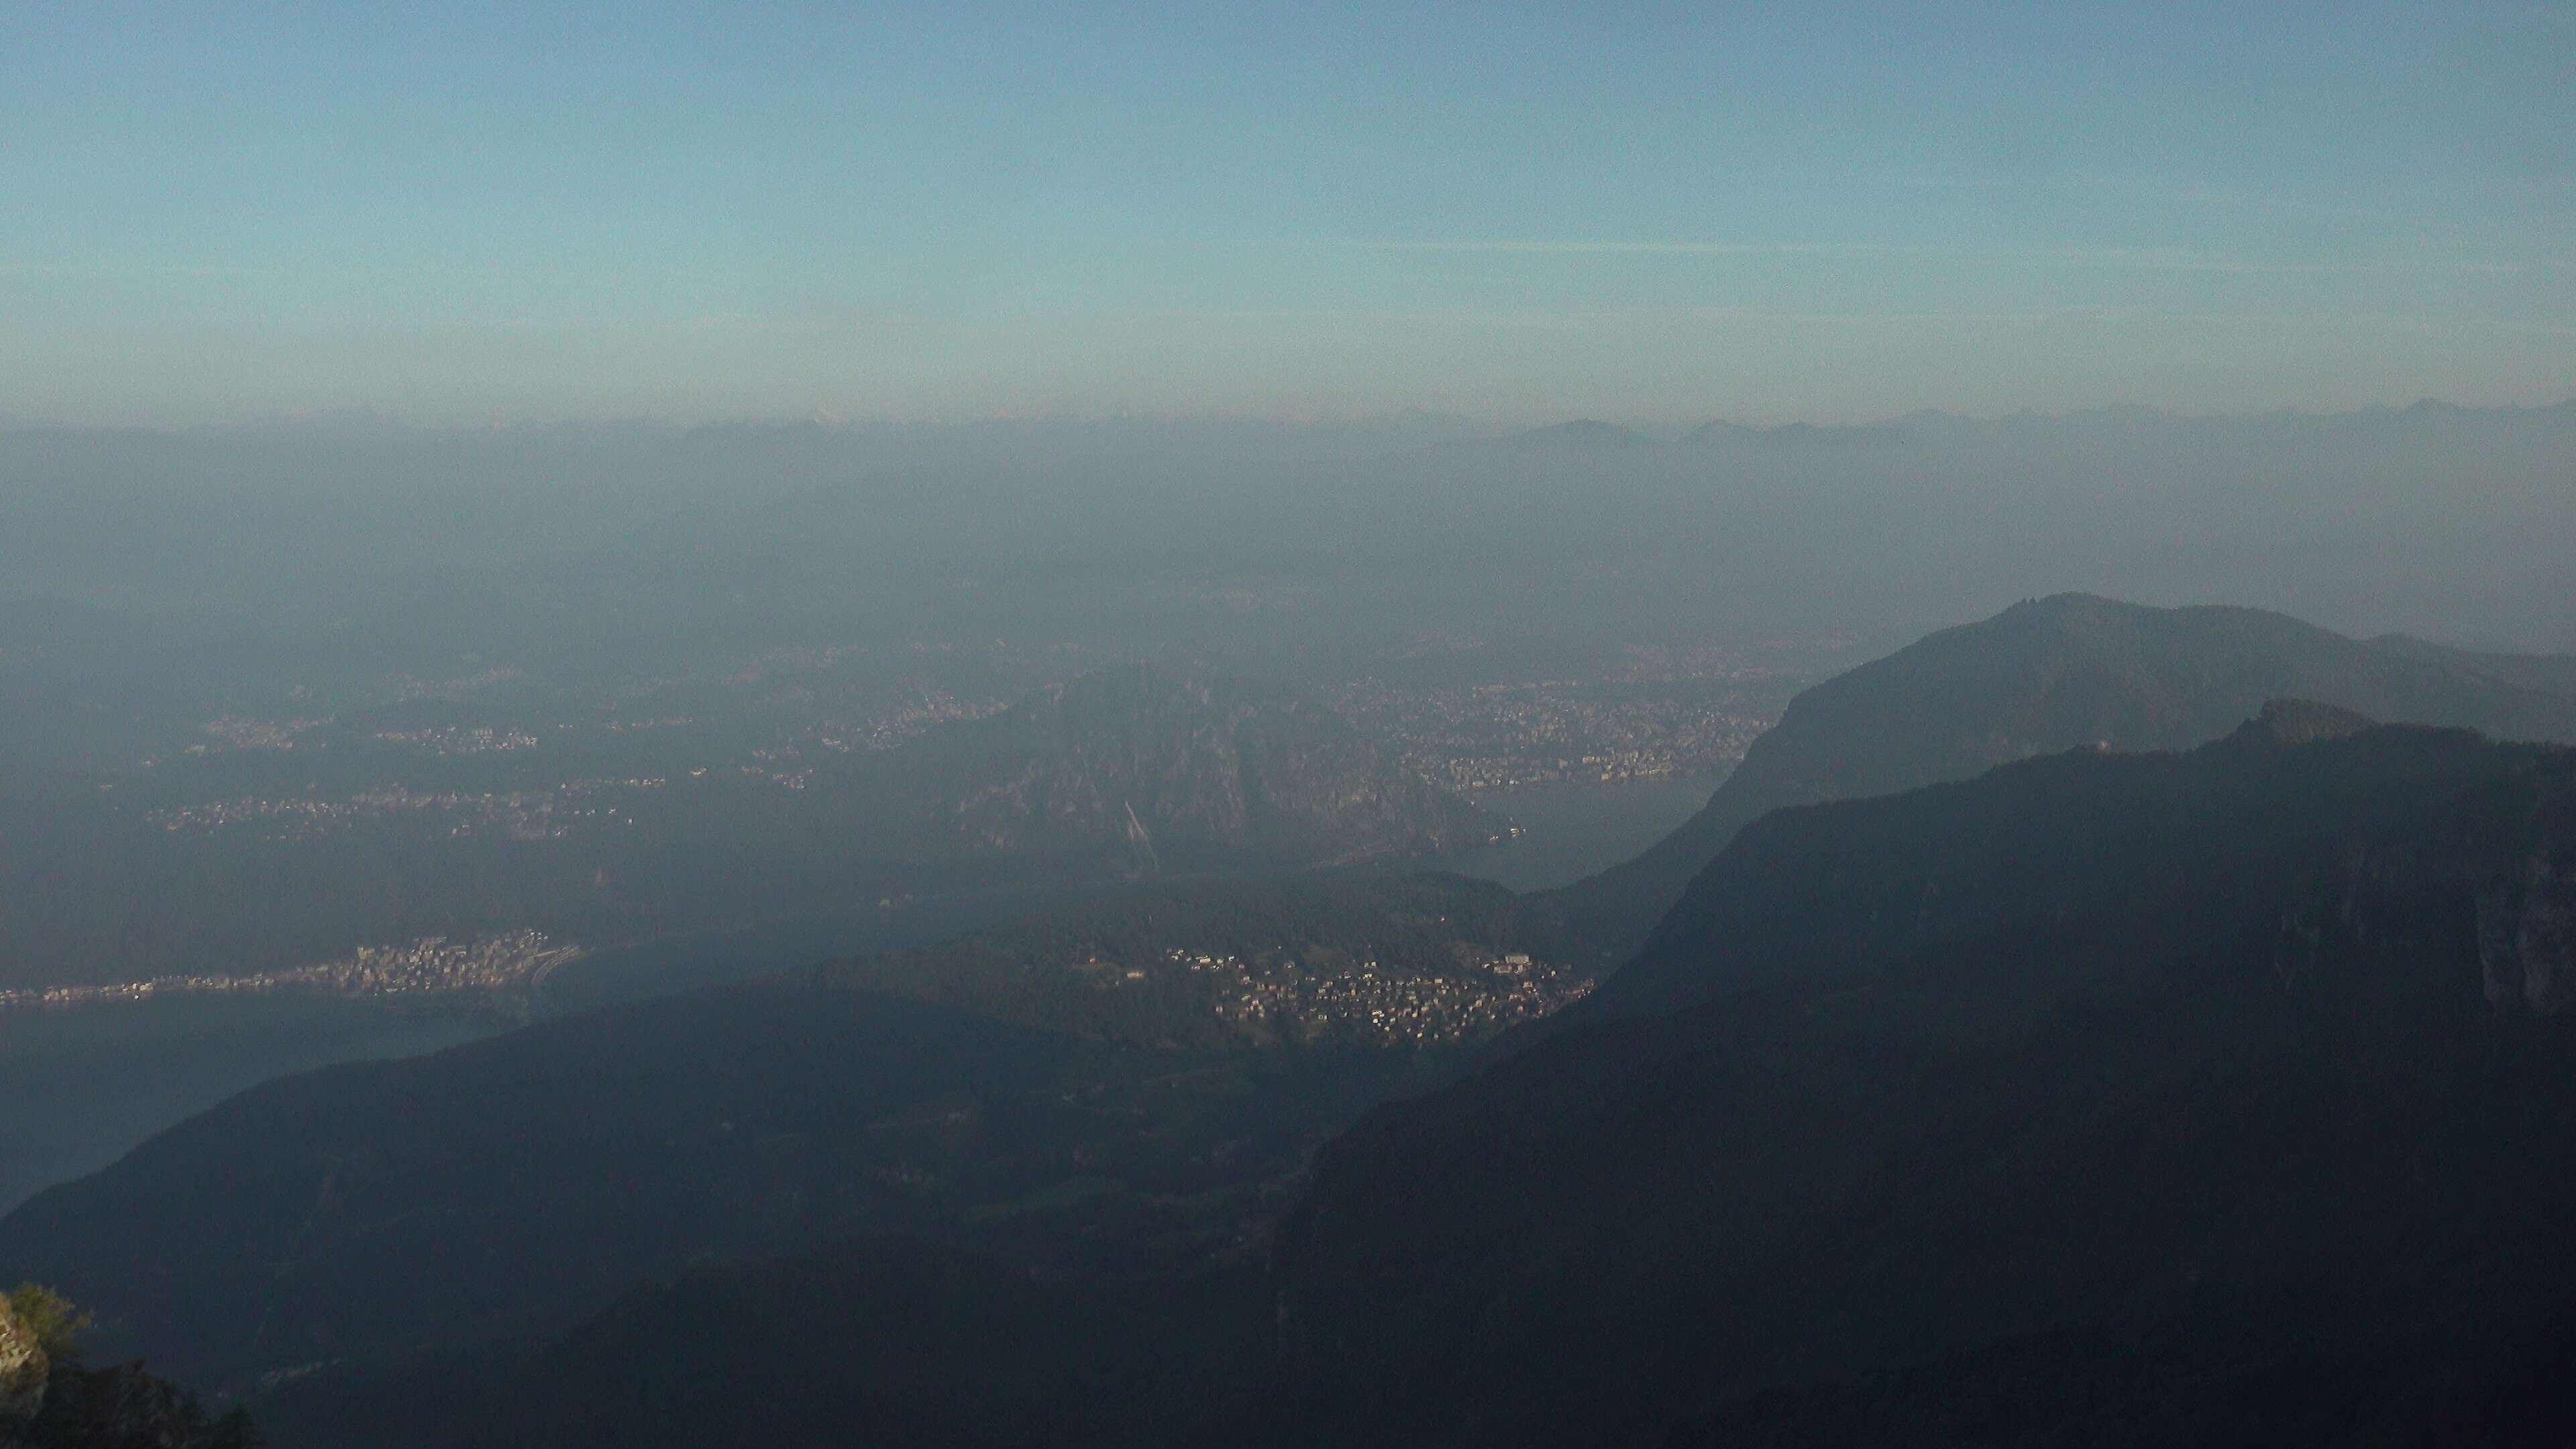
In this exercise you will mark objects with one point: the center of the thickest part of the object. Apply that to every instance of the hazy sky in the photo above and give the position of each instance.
(1522, 212)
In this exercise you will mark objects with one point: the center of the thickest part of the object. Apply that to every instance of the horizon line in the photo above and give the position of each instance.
(381, 419)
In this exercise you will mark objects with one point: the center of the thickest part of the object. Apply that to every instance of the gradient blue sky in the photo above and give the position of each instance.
(469, 213)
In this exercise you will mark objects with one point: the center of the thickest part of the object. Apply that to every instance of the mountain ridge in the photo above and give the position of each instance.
(2053, 674)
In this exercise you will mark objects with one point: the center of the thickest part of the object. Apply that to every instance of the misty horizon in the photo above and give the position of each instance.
(1659, 427)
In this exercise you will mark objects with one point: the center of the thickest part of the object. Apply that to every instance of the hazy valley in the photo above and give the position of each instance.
(1159, 1076)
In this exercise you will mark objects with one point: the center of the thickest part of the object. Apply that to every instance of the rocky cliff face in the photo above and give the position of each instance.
(2527, 937)
(119, 1408)
(47, 1402)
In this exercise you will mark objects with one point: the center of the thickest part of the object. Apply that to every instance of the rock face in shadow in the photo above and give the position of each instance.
(2057, 674)
(2527, 937)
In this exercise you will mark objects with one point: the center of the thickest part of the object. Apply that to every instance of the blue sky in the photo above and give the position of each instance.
(1523, 212)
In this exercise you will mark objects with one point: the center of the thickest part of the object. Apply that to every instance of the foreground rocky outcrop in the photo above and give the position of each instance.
(24, 1367)
(2527, 936)
(49, 1399)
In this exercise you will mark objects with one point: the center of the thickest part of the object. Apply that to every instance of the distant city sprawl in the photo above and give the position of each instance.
(432, 965)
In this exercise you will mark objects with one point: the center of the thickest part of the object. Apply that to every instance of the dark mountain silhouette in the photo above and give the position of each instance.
(2094, 1088)
(902, 1342)
(896, 1341)
(388, 1204)
(893, 1342)
(2053, 674)
(2491, 1379)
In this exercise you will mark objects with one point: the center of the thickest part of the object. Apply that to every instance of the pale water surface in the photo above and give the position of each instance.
(1572, 831)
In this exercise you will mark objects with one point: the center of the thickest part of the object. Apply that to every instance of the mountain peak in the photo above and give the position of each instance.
(2067, 671)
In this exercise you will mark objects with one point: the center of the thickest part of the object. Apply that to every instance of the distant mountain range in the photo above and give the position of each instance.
(2053, 674)
(894, 1342)
(1930, 427)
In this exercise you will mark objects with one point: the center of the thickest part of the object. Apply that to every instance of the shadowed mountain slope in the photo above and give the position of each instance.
(1201, 1040)
(390, 1203)
(893, 1342)
(2256, 1052)
(2054, 674)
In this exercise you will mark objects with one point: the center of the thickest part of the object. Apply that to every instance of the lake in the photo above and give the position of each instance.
(1575, 830)
(81, 1087)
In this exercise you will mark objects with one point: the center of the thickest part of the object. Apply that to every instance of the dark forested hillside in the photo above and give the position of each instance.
(1298, 961)
(390, 1203)
(2053, 674)
(2253, 1055)
(384, 1216)
(894, 1342)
